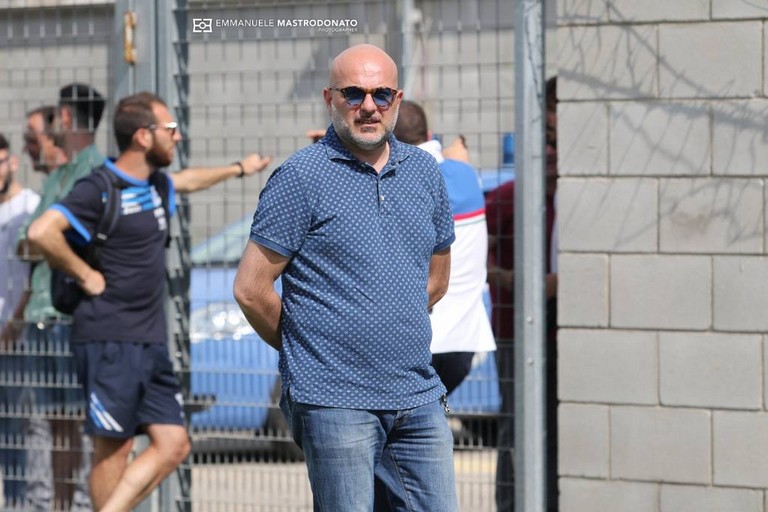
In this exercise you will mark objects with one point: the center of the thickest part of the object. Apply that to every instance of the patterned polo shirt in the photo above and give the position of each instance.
(355, 327)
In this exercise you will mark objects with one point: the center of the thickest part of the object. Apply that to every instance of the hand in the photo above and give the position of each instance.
(93, 283)
(457, 150)
(254, 163)
(315, 135)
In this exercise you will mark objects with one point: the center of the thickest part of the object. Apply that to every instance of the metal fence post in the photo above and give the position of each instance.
(160, 47)
(530, 310)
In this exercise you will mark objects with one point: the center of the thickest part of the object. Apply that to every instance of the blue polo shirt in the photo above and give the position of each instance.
(355, 326)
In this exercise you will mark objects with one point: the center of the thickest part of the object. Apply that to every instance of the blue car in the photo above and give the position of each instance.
(233, 366)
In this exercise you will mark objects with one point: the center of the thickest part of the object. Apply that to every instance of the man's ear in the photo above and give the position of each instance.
(143, 138)
(66, 118)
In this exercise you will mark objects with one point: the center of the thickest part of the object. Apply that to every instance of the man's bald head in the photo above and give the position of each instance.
(363, 60)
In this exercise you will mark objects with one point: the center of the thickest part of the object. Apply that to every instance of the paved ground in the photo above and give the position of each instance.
(276, 487)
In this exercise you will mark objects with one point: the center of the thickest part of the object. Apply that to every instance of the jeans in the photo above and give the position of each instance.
(407, 453)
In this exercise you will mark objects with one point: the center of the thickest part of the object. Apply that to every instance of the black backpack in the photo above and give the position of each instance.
(66, 294)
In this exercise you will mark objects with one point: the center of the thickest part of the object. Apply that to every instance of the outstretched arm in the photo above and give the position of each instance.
(201, 178)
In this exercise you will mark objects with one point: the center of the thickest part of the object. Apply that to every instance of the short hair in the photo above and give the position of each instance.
(86, 104)
(4, 143)
(411, 126)
(551, 93)
(48, 113)
(132, 113)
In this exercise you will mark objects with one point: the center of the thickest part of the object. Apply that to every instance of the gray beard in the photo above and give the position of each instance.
(345, 132)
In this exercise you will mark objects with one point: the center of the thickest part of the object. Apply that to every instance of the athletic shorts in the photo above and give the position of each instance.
(127, 387)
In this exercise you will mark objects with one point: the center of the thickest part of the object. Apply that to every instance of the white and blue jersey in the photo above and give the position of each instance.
(460, 321)
(132, 259)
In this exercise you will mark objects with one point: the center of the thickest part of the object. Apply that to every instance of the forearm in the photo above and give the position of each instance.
(439, 274)
(263, 313)
(200, 178)
(54, 247)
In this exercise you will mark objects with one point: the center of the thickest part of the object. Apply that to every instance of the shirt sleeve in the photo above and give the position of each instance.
(443, 215)
(283, 216)
(83, 208)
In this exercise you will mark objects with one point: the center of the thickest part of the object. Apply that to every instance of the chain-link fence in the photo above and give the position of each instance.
(254, 74)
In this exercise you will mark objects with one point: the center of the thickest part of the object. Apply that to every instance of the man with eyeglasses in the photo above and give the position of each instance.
(119, 334)
(16, 204)
(359, 227)
(38, 140)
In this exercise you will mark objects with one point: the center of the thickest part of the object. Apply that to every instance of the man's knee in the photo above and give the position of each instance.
(172, 441)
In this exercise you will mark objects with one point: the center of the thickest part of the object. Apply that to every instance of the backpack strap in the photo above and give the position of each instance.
(109, 217)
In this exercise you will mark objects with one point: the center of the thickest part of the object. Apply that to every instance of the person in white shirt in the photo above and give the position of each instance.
(460, 323)
(16, 204)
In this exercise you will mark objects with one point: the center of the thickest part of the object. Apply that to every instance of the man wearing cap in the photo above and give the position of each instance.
(79, 112)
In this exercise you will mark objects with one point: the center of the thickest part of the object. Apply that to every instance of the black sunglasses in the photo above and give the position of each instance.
(354, 95)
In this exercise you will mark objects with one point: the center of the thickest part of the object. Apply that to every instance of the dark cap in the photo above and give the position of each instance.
(77, 92)
(86, 102)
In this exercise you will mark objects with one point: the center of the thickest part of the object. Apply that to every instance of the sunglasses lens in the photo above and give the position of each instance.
(354, 95)
(383, 97)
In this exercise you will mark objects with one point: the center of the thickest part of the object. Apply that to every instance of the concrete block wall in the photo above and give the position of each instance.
(663, 299)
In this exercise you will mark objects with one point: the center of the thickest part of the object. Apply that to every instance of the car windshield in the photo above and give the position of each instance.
(225, 247)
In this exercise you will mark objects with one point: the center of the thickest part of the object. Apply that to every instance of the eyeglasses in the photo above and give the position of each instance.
(355, 96)
(171, 127)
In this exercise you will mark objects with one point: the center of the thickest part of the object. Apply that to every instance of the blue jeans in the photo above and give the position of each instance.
(408, 453)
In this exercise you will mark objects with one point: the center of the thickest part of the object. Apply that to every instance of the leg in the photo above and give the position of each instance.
(65, 459)
(505, 482)
(452, 367)
(417, 466)
(110, 458)
(169, 446)
(341, 448)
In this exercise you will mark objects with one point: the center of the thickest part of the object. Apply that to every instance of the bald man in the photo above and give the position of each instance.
(359, 228)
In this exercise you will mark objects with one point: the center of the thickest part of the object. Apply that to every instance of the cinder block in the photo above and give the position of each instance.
(740, 448)
(739, 138)
(607, 366)
(616, 62)
(623, 11)
(690, 498)
(645, 139)
(581, 11)
(706, 215)
(616, 215)
(740, 302)
(578, 495)
(711, 370)
(661, 292)
(662, 444)
(703, 60)
(582, 143)
(582, 284)
(739, 9)
(583, 435)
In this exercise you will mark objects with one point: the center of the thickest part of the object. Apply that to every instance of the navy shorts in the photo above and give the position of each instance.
(127, 387)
